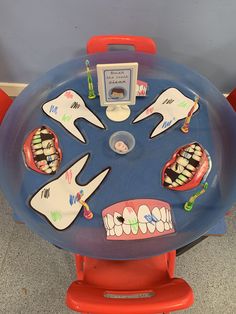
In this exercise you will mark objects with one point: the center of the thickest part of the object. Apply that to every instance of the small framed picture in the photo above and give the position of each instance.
(117, 83)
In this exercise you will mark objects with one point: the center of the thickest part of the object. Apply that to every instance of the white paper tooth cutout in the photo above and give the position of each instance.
(110, 221)
(69, 107)
(172, 105)
(143, 213)
(61, 207)
(163, 214)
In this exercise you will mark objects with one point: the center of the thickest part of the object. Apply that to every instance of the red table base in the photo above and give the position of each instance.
(144, 286)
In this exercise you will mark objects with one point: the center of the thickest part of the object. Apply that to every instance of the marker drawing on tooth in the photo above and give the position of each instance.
(66, 110)
(172, 105)
(63, 197)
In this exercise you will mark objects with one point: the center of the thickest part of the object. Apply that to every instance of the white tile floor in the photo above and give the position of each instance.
(34, 275)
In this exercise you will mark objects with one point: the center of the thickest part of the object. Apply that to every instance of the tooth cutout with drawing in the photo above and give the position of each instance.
(67, 108)
(57, 200)
(172, 105)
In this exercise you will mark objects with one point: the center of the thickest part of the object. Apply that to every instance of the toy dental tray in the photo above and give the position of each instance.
(65, 181)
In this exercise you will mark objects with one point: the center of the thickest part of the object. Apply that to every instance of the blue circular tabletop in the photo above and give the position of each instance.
(64, 181)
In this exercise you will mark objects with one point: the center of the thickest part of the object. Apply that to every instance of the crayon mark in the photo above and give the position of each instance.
(75, 105)
(151, 218)
(134, 224)
(66, 118)
(56, 216)
(168, 101)
(183, 104)
(149, 110)
(69, 176)
(53, 109)
(68, 94)
(73, 199)
(45, 193)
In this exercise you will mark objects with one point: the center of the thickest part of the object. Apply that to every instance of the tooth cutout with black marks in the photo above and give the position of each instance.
(172, 105)
(188, 167)
(58, 201)
(42, 151)
(67, 108)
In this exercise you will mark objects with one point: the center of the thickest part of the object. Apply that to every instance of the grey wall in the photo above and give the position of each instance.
(37, 35)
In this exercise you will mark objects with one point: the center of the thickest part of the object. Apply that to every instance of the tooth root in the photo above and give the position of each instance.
(179, 182)
(182, 161)
(189, 149)
(143, 227)
(38, 152)
(182, 178)
(126, 228)
(143, 212)
(105, 222)
(187, 173)
(168, 179)
(110, 221)
(190, 167)
(177, 167)
(195, 157)
(185, 154)
(156, 212)
(163, 214)
(118, 231)
(44, 131)
(49, 151)
(112, 232)
(48, 143)
(45, 167)
(198, 153)
(160, 226)
(151, 227)
(134, 227)
(36, 141)
(167, 227)
(117, 219)
(37, 146)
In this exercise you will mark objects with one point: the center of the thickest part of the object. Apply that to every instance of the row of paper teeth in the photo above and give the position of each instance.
(47, 148)
(182, 166)
(129, 221)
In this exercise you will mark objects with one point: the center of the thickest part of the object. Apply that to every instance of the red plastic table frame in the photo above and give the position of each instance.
(101, 43)
(144, 286)
(5, 103)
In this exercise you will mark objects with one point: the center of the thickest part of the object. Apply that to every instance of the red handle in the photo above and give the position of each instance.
(101, 43)
(5, 103)
(232, 99)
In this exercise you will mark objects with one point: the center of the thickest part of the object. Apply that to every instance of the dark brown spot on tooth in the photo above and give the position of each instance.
(39, 157)
(45, 137)
(193, 162)
(172, 174)
(120, 219)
